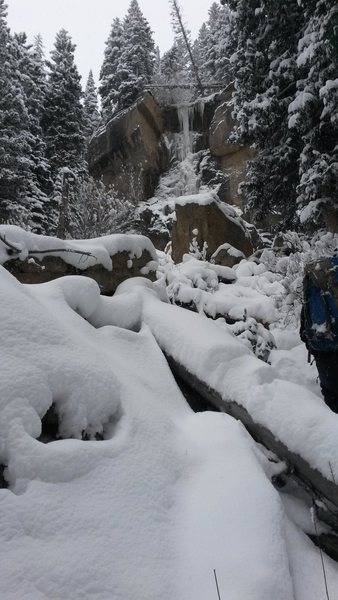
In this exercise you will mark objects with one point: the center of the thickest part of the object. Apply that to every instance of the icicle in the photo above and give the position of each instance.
(185, 116)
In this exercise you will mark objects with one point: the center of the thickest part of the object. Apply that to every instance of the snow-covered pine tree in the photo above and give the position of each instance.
(63, 115)
(200, 48)
(32, 75)
(314, 111)
(15, 149)
(109, 76)
(220, 27)
(212, 46)
(212, 41)
(36, 102)
(264, 63)
(136, 64)
(175, 71)
(63, 126)
(91, 110)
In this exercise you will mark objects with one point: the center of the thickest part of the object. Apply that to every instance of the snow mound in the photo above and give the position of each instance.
(168, 495)
(48, 358)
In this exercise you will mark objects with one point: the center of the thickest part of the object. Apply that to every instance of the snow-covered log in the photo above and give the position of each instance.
(288, 419)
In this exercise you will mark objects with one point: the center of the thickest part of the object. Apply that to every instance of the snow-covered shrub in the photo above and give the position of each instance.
(194, 247)
(254, 335)
(99, 211)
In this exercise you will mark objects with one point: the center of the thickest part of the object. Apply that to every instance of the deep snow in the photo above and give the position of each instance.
(168, 495)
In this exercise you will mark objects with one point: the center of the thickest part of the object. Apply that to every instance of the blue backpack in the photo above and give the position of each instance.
(320, 310)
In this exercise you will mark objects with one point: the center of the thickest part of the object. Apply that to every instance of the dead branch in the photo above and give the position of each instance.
(55, 250)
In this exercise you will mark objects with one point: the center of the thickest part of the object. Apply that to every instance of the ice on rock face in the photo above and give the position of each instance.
(185, 114)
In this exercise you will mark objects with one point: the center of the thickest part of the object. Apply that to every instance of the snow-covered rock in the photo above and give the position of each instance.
(108, 260)
(211, 223)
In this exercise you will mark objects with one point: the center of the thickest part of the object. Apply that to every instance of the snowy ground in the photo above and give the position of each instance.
(168, 495)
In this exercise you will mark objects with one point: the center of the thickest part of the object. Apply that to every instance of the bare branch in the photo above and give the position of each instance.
(55, 250)
(15, 249)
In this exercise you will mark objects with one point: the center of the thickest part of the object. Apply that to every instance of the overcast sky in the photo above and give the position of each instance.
(89, 22)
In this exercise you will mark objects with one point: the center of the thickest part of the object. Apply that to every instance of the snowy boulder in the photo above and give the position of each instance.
(108, 260)
(205, 222)
(227, 255)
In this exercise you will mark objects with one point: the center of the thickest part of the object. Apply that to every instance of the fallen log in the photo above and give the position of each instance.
(313, 482)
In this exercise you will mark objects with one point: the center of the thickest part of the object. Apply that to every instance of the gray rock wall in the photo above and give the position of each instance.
(129, 152)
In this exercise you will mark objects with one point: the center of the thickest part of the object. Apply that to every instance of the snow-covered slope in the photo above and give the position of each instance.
(166, 497)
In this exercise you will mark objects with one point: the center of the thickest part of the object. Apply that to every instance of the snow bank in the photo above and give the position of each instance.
(149, 511)
(95, 251)
(47, 359)
(232, 517)
(95, 519)
(295, 415)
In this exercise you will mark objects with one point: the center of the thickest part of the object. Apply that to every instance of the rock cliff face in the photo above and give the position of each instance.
(129, 153)
(144, 143)
(231, 158)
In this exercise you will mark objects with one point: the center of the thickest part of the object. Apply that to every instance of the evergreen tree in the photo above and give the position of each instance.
(175, 71)
(200, 47)
(221, 23)
(136, 64)
(212, 41)
(266, 35)
(36, 105)
(63, 116)
(109, 76)
(30, 61)
(285, 62)
(91, 111)
(212, 46)
(157, 63)
(15, 138)
(314, 111)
